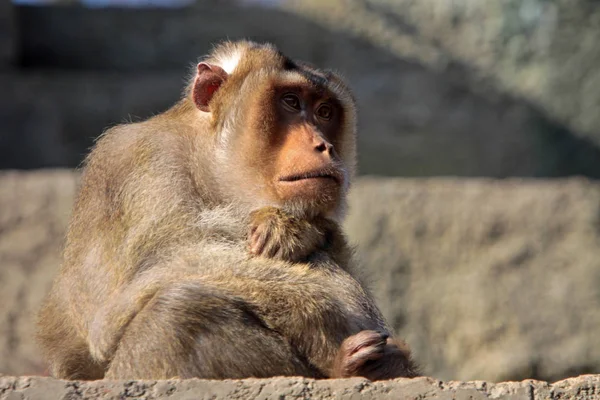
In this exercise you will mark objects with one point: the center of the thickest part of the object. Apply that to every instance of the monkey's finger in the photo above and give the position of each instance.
(258, 242)
(273, 248)
(252, 231)
(364, 339)
(356, 364)
(366, 354)
(274, 251)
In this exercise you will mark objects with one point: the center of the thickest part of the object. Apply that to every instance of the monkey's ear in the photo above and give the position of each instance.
(208, 79)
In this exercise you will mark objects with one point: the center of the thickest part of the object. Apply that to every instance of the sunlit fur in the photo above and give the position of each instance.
(157, 280)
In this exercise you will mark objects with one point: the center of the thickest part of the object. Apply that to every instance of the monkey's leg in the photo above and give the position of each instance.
(191, 330)
(65, 350)
(375, 356)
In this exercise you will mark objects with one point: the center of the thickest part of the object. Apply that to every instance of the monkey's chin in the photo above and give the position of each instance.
(321, 192)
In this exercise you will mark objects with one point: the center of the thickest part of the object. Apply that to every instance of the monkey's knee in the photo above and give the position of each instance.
(65, 351)
(190, 330)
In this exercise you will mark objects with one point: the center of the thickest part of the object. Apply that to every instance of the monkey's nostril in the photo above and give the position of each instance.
(322, 147)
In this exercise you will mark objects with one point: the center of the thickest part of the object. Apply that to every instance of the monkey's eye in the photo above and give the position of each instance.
(325, 111)
(292, 101)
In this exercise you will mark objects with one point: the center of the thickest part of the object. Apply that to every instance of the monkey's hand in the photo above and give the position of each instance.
(375, 356)
(276, 234)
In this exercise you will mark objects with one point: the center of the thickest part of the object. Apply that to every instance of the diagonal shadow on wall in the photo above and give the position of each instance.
(82, 70)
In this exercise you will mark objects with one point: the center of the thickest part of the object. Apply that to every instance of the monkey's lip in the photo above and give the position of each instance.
(318, 174)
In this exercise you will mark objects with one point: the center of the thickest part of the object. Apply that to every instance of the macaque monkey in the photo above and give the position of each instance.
(205, 241)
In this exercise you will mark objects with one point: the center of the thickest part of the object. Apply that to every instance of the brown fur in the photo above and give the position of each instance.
(188, 254)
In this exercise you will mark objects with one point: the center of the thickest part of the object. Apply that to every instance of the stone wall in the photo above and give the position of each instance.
(80, 70)
(486, 279)
(543, 51)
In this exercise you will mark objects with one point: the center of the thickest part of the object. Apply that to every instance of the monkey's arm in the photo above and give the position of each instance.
(341, 310)
(276, 234)
(278, 297)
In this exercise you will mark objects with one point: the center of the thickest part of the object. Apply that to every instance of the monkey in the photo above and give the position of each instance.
(206, 241)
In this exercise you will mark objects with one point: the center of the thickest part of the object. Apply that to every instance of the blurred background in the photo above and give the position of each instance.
(477, 213)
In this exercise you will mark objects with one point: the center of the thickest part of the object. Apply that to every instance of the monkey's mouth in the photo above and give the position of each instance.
(331, 174)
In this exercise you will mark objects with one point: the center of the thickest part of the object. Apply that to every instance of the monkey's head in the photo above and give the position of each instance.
(284, 131)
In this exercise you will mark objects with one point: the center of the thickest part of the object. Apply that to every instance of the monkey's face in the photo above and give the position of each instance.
(293, 141)
(287, 134)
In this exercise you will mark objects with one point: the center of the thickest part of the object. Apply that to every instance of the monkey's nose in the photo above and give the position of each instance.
(324, 147)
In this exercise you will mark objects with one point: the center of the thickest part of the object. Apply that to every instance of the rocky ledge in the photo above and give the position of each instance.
(582, 387)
